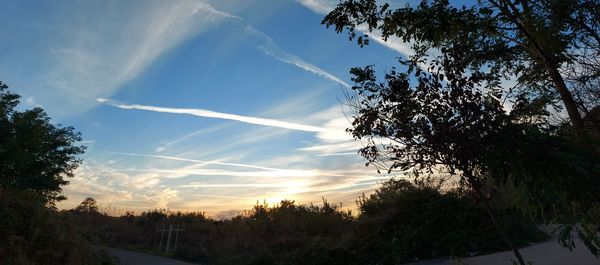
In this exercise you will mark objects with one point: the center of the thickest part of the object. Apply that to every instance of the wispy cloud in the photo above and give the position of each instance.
(319, 6)
(175, 186)
(271, 48)
(219, 196)
(333, 147)
(88, 51)
(339, 154)
(218, 115)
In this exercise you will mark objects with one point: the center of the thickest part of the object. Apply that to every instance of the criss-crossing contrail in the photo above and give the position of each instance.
(197, 161)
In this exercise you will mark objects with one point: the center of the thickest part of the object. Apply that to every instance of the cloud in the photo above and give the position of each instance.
(333, 147)
(87, 51)
(187, 187)
(334, 140)
(148, 188)
(218, 115)
(319, 6)
(338, 154)
(271, 48)
(321, 167)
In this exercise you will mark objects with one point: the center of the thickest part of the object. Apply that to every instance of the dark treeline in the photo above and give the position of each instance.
(398, 223)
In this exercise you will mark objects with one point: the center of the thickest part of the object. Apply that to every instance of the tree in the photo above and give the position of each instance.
(401, 220)
(550, 47)
(35, 154)
(88, 205)
(447, 114)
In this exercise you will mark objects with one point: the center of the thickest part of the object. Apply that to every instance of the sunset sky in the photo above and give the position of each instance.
(195, 105)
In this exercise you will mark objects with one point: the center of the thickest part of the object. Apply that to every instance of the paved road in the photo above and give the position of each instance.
(545, 253)
(127, 257)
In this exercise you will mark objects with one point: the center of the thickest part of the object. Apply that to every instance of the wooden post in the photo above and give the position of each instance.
(162, 232)
(169, 238)
(176, 237)
(167, 247)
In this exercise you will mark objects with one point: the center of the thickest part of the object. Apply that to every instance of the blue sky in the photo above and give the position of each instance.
(195, 105)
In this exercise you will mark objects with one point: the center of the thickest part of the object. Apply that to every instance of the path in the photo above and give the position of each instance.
(127, 257)
(546, 253)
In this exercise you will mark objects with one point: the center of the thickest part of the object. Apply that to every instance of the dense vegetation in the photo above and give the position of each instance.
(483, 96)
(32, 233)
(35, 158)
(400, 222)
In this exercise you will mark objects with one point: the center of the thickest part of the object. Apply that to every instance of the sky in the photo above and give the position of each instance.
(195, 105)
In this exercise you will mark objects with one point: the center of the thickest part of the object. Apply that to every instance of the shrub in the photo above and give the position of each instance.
(32, 233)
(402, 221)
(399, 222)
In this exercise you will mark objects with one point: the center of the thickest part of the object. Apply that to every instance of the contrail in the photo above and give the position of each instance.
(197, 161)
(271, 48)
(323, 7)
(218, 115)
(211, 9)
(242, 185)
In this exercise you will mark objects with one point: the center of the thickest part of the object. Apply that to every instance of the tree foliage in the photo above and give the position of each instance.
(35, 154)
(88, 205)
(32, 233)
(445, 110)
(402, 221)
(549, 47)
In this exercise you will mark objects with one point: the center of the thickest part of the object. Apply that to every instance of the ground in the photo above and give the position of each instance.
(127, 257)
(546, 253)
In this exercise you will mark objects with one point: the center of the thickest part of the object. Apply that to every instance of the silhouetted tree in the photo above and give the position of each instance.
(436, 126)
(88, 205)
(550, 47)
(447, 114)
(402, 220)
(35, 154)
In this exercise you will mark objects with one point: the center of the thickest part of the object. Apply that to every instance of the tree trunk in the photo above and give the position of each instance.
(522, 21)
(476, 185)
(499, 228)
(568, 101)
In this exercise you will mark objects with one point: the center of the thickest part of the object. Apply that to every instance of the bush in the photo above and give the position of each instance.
(402, 221)
(32, 233)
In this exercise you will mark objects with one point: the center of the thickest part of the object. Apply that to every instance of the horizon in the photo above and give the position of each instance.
(196, 105)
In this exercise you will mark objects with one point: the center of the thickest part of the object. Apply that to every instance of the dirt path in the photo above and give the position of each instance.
(127, 257)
